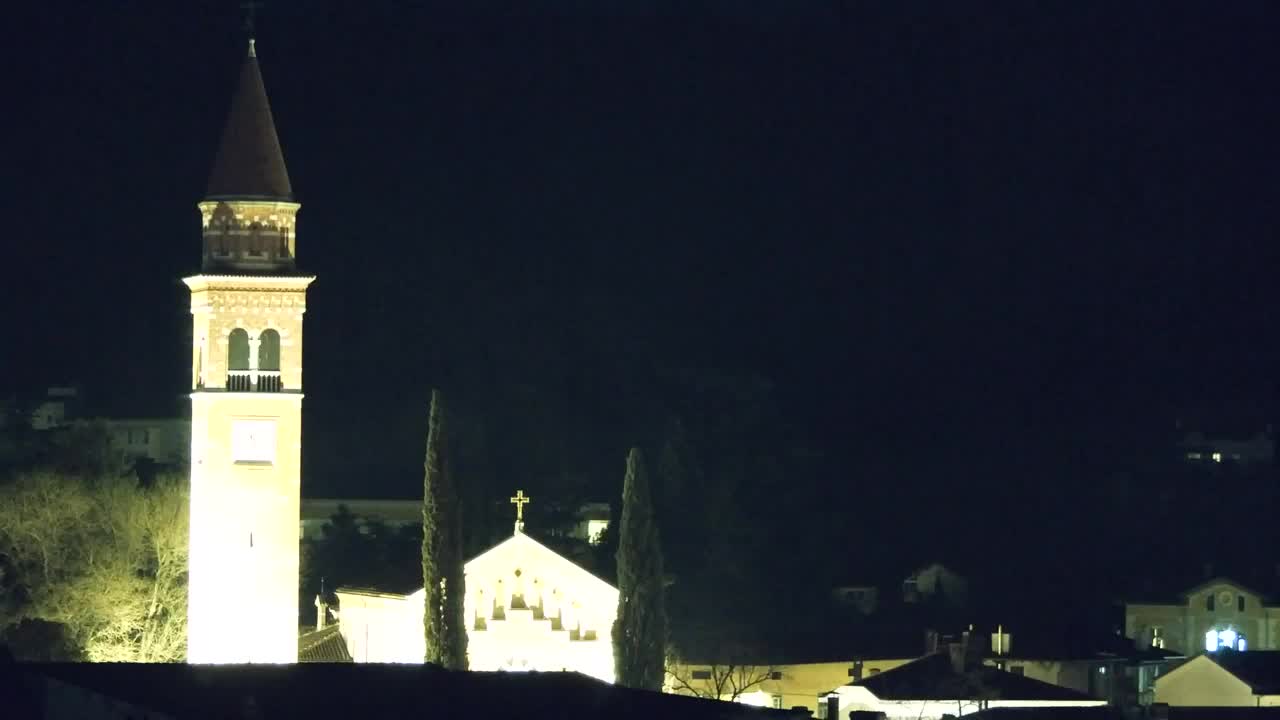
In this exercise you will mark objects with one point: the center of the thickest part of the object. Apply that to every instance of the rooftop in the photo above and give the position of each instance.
(368, 691)
(1259, 669)
(250, 163)
(933, 678)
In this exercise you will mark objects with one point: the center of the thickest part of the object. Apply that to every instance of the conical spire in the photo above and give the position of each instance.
(249, 164)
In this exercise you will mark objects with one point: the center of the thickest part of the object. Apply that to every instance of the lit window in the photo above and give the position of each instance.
(1193, 456)
(1227, 639)
(1217, 457)
(595, 530)
(1157, 639)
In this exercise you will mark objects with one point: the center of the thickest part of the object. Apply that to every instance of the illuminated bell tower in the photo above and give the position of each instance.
(246, 400)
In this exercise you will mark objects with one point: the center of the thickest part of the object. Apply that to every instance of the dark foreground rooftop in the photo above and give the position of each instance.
(346, 691)
(933, 678)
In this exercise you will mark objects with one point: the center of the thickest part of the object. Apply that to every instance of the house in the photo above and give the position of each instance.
(1220, 613)
(932, 583)
(161, 440)
(764, 684)
(948, 683)
(1109, 668)
(1223, 679)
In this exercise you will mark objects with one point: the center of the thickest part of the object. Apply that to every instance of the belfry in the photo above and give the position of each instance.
(246, 397)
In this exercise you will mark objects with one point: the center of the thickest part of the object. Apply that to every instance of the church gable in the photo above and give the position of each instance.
(520, 551)
(1222, 593)
(528, 608)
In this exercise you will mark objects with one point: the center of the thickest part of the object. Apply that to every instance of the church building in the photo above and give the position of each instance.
(527, 608)
(246, 397)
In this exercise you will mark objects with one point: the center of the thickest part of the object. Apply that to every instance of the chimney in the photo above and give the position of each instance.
(322, 610)
(1001, 641)
(931, 636)
(958, 652)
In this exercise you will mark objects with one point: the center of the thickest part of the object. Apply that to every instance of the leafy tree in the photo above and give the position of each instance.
(356, 552)
(105, 559)
(442, 571)
(640, 632)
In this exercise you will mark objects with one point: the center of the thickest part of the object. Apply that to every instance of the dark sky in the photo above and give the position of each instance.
(940, 229)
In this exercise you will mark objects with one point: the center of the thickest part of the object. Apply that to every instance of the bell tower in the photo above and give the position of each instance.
(246, 397)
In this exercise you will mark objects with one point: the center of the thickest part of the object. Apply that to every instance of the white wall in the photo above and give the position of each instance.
(1202, 682)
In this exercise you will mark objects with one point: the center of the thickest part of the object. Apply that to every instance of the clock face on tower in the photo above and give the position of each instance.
(253, 441)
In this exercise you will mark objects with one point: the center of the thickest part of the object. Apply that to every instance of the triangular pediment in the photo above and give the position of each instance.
(521, 552)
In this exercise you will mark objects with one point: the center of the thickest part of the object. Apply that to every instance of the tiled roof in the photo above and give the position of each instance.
(250, 164)
(1259, 669)
(322, 690)
(323, 646)
(933, 678)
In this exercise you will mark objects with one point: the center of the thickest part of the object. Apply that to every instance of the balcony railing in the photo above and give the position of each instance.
(254, 381)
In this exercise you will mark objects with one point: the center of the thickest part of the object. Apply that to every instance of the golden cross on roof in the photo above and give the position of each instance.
(520, 500)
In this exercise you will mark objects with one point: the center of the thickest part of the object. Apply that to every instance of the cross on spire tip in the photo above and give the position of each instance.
(520, 500)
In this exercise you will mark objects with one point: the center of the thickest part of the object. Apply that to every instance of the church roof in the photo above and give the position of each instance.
(249, 163)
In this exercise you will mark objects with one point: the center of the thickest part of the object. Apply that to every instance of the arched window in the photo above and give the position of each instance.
(1208, 602)
(238, 379)
(238, 350)
(269, 350)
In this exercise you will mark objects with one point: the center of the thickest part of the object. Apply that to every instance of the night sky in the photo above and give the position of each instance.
(958, 240)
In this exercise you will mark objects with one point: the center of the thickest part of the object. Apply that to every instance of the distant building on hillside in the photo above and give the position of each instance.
(60, 406)
(166, 441)
(1220, 614)
(316, 512)
(1256, 449)
(930, 583)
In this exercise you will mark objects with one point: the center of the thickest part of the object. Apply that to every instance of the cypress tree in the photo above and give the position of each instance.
(640, 632)
(443, 620)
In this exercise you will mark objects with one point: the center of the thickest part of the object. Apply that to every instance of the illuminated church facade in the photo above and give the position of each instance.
(527, 608)
(246, 397)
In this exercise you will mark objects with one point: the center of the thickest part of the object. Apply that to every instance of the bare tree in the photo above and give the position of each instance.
(723, 680)
(105, 559)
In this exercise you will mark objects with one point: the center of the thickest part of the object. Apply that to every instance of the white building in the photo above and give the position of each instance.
(1219, 613)
(527, 608)
(1226, 679)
